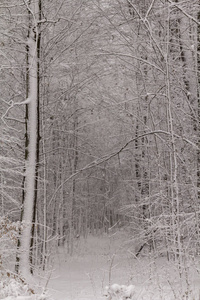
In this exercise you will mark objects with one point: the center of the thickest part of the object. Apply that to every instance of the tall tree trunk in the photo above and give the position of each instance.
(73, 221)
(198, 105)
(26, 136)
(30, 175)
(37, 136)
(175, 206)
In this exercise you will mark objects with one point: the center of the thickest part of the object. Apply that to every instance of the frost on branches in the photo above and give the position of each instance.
(9, 232)
(119, 292)
(13, 287)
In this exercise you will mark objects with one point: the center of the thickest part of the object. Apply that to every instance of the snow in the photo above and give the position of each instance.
(14, 289)
(33, 297)
(31, 161)
(107, 261)
(103, 268)
(119, 291)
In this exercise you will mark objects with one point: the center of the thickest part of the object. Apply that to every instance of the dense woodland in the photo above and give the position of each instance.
(99, 131)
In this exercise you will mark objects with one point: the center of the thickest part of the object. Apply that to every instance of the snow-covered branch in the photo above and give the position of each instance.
(184, 12)
(12, 105)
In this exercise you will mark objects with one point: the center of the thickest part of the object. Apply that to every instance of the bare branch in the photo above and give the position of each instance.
(184, 12)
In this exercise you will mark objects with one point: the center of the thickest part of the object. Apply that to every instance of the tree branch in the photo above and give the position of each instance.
(105, 158)
(184, 12)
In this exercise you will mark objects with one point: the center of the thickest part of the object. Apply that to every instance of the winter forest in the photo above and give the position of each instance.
(100, 149)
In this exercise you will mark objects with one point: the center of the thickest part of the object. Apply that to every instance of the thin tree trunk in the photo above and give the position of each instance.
(198, 106)
(44, 243)
(26, 150)
(174, 162)
(38, 140)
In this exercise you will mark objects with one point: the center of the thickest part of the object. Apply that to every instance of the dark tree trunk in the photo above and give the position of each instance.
(38, 141)
(198, 106)
(25, 152)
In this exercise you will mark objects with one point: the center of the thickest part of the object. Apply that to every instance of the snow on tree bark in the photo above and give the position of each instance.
(31, 159)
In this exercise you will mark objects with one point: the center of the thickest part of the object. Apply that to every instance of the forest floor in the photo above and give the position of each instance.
(100, 261)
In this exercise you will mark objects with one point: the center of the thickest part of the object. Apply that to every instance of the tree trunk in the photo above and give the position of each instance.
(26, 136)
(198, 106)
(175, 206)
(30, 175)
(37, 141)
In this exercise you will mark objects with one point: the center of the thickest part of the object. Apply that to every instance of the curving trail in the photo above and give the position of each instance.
(103, 259)
(85, 275)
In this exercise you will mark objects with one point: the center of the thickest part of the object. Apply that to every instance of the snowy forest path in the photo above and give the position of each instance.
(85, 274)
(78, 279)
(103, 260)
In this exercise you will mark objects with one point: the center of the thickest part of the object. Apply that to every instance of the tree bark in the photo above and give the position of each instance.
(38, 42)
(30, 176)
(198, 105)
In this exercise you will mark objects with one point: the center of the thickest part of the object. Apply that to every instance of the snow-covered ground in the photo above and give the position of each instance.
(101, 261)
(106, 260)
